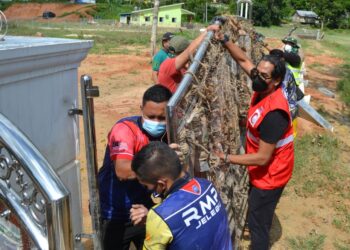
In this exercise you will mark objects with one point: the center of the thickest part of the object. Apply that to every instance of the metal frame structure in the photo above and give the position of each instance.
(245, 9)
(185, 86)
(88, 92)
(31, 190)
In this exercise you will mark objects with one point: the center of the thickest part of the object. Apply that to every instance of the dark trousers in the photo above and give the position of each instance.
(261, 207)
(118, 236)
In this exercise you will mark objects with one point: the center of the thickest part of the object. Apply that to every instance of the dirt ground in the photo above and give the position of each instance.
(122, 80)
(63, 11)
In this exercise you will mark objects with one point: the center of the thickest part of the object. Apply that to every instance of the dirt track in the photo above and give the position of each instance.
(63, 11)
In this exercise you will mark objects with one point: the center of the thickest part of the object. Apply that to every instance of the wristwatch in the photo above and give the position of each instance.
(225, 40)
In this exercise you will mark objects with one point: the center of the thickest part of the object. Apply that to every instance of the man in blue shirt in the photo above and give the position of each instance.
(118, 187)
(162, 54)
(191, 216)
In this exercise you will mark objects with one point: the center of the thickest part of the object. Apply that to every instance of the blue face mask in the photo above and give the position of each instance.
(154, 128)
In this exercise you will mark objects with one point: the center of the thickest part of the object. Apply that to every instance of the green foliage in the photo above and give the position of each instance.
(261, 14)
(5, 5)
(110, 10)
(332, 12)
(268, 12)
(311, 242)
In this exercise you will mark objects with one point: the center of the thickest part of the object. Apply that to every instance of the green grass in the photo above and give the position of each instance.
(343, 86)
(342, 218)
(311, 242)
(108, 39)
(274, 31)
(342, 245)
(338, 41)
(317, 166)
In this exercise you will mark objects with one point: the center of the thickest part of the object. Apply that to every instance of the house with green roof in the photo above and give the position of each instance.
(169, 16)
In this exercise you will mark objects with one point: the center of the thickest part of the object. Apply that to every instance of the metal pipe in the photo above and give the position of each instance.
(58, 226)
(246, 10)
(309, 113)
(185, 85)
(87, 94)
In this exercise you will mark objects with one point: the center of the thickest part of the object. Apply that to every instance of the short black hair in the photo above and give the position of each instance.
(156, 160)
(277, 52)
(157, 93)
(279, 64)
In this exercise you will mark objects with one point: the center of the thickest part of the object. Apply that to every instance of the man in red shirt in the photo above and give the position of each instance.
(172, 70)
(118, 187)
(269, 147)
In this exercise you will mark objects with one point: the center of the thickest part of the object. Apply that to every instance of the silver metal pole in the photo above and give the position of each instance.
(185, 85)
(88, 92)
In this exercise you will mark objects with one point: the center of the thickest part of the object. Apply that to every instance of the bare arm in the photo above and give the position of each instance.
(239, 56)
(260, 158)
(185, 56)
(155, 76)
(123, 170)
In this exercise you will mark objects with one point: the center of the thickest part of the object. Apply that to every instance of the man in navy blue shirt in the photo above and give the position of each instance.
(119, 189)
(191, 216)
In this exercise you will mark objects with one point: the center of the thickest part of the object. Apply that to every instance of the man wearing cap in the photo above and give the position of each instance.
(172, 69)
(162, 54)
(293, 59)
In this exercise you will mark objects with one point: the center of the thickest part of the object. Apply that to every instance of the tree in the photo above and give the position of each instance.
(268, 12)
(332, 12)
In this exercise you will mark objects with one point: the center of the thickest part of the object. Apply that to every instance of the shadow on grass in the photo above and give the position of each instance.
(276, 230)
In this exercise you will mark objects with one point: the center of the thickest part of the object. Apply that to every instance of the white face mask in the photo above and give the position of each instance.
(288, 48)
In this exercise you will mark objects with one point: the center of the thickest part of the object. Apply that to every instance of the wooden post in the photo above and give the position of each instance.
(154, 27)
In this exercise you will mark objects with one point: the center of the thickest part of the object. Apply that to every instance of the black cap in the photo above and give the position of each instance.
(167, 36)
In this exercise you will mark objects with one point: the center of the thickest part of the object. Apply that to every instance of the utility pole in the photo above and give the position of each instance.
(154, 27)
(206, 11)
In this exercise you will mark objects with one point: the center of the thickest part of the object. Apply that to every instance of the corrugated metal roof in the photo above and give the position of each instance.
(160, 7)
(307, 13)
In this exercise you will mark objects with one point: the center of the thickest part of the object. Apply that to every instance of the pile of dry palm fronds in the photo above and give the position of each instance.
(213, 112)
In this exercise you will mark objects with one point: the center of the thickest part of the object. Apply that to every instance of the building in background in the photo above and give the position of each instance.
(305, 17)
(168, 16)
(125, 18)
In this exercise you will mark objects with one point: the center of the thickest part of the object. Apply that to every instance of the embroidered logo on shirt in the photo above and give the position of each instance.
(119, 146)
(192, 187)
